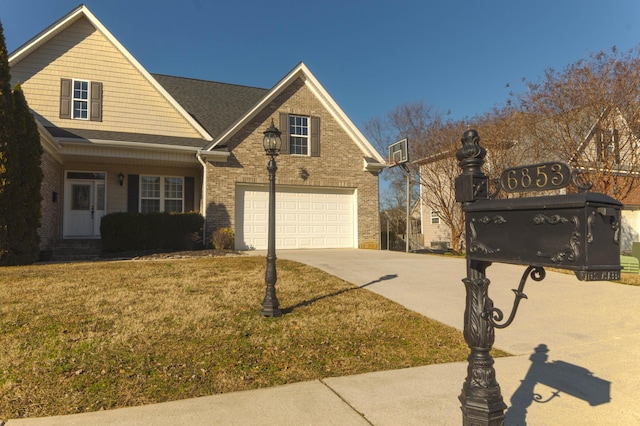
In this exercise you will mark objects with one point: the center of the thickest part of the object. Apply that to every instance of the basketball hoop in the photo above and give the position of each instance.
(398, 153)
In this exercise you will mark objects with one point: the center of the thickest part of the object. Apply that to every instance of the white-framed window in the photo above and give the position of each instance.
(161, 194)
(435, 217)
(298, 135)
(81, 99)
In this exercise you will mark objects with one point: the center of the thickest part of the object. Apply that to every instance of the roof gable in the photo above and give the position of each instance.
(301, 71)
(79, 46)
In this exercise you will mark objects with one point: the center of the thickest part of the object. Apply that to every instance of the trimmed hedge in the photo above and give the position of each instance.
(150, 231)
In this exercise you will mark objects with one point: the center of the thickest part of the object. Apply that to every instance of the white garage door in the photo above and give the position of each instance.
(305, 218)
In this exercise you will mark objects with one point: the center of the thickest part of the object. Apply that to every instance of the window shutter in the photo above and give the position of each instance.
(315, 136)
(189, 194)
(133, 192)
(65, 98)
(96, 101)
(284, 128)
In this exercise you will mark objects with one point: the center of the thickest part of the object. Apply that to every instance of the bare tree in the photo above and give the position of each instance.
(438, 169)
(588, 115)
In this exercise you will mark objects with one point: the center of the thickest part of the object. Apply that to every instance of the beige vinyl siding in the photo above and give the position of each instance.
(130, 102)
(117, 195)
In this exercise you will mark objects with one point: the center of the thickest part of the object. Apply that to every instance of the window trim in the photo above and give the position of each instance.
(162, 194)
(86, 101)
(298, 137)
(435, 217)
(68, 99)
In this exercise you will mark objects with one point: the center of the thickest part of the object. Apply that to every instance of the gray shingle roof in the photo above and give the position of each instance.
(57, 132)
(216, 106)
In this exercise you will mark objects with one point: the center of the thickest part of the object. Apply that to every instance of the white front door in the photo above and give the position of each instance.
(85, 204)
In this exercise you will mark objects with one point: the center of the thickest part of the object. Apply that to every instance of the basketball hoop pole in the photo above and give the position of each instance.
(406, 169)
(408, 206)
(399, 154)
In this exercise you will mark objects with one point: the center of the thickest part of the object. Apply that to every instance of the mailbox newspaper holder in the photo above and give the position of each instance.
(577, 231)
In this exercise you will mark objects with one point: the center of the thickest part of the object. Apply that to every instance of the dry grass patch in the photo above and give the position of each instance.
(89, 336)
(629, 279)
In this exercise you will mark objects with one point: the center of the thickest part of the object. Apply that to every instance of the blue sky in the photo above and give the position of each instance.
(455, 55)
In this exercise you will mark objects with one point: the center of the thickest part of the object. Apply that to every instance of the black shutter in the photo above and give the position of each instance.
(284, 128)
(189, 194)
(133, 191)
(315, 136)
(95, 109)
(65, 97)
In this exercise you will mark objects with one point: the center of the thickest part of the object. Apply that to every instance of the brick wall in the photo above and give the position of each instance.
(51, 209)
(340, 164)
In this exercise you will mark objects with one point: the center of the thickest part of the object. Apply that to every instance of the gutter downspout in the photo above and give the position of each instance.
(203, 207)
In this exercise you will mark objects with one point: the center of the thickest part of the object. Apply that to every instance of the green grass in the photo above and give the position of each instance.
(100, 335)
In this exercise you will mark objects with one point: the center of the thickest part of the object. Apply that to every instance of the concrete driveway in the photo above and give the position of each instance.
(580, 340)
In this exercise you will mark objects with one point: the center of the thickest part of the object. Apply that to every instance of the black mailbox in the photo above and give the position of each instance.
(579, 232)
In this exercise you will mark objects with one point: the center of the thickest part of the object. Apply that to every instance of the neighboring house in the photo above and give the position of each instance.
(117, 138)
(601, 145)
(435, 233)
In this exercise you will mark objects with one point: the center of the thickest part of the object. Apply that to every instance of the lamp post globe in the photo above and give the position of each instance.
(271, 141)
(272, 144)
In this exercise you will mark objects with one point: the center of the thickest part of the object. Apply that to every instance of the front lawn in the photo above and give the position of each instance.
(99, 335)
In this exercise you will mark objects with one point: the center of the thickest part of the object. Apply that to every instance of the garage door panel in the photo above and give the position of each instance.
(311, 219)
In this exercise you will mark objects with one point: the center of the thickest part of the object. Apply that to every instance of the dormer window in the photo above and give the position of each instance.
(80, 99)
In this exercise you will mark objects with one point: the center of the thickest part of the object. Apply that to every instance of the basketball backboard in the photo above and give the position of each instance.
(398, 152)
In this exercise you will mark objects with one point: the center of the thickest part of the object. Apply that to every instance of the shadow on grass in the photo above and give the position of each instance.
(337, 293)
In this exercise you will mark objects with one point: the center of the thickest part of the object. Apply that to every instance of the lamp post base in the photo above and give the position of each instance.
(270, 302)
(271, 312)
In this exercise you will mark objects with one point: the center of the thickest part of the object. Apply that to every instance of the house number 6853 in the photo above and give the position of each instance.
(535, 177)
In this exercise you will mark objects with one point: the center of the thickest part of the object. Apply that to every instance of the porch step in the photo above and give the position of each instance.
(73, 250)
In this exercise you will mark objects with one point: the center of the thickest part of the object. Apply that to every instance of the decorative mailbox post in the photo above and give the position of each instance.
(579, 232)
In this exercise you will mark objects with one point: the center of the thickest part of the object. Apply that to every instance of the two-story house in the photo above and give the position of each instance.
(118, 138)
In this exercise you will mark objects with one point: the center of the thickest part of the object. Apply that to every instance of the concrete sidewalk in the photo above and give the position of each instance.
(576, 347)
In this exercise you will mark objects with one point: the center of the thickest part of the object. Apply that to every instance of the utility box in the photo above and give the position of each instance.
(579, 232)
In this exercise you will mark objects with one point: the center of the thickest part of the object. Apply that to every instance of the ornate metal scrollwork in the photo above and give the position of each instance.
(570, 251)
(578, 182)
(555, 219)
(476, 246)
(497, 220)
(496, 184)
(493, 315)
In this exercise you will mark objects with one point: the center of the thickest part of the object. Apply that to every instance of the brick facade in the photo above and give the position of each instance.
(51, 192)
(340, 164)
